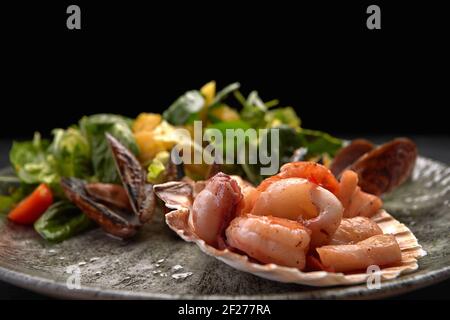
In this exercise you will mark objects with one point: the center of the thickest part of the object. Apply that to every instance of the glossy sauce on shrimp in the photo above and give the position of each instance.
(296, 193)
(270, 239)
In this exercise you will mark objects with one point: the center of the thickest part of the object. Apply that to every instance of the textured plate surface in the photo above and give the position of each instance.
(143, 267)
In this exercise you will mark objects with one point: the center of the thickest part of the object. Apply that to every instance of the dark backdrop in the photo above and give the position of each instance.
(319, 58)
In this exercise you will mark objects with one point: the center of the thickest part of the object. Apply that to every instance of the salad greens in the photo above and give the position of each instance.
(94, 129)
(33, 162)
(72, 153)
(61, 221)
(82, 150)
(79, 151)
(10, 193)
(185, 109)
(157, 168)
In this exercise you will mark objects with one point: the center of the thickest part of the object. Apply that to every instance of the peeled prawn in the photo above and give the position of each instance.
(353, 230)
(301, 200)
(214, 207)
(355, 201)
(270, 239)
(379, 250)
(311, 171)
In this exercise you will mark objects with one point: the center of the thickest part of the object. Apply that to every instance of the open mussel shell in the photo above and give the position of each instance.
(349, 155)
(140, 193)
(411, 251)
(114, 220)
(386, 167)
(119, 210)
(380, 169)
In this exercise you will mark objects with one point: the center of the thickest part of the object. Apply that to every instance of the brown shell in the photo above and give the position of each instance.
(119, 223)
(140, 193)
(411, 250)
(386, 167)
(109, 193)
(175, 194)
(349, 155)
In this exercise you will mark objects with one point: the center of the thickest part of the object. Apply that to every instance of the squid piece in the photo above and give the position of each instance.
(214, 208)
(379, 250)
(353, 230)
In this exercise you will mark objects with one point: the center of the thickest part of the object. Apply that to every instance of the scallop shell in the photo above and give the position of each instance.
(411, 251)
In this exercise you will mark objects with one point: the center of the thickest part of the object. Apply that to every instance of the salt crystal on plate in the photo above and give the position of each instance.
(181, 275)
(177, 267)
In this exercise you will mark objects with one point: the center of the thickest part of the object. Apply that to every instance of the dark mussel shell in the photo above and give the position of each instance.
(111, 194)
(349, 155)
(140, 193)
(119, 210)
(113, 220)
(386, 167)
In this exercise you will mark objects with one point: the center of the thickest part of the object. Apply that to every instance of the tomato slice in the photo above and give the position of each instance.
(33, 206)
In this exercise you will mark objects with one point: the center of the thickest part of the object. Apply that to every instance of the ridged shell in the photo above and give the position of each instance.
(411, 251)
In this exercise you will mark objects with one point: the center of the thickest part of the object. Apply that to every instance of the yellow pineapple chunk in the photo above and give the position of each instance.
(209, 92)
(146, 122)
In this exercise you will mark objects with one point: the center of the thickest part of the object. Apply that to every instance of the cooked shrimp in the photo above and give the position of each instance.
(249, 196)
(289, 198)
(214, 207)
(270, 239)
(353, 230)
(355, 201)
(311, 171)
(380, 250)
(301, 200)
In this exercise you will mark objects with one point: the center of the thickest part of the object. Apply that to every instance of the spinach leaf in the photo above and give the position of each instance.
(94, 128)
(185, 109)
(61, 221)
(318, 142)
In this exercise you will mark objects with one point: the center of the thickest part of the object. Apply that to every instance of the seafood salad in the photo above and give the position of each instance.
(302, 218)
(318, 220)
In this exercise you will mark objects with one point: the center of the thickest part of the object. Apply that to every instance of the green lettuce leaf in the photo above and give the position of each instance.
(185, 109)
(33, 163)
(94, 129)
(72, 153)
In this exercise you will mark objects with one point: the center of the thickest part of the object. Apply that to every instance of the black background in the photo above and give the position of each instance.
(316, 56)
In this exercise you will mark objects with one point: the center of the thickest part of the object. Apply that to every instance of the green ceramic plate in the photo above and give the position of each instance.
(157, 264)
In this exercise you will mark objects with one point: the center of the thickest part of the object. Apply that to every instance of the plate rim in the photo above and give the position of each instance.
(53, 288)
